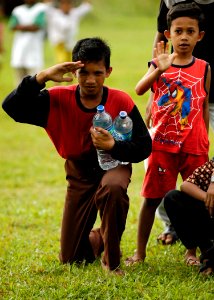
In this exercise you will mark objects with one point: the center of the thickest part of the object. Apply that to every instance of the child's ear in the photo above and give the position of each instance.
(108, 72)
(201, 35)
(167, 34)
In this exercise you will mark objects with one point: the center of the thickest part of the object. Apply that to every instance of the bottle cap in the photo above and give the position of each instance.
(100, 108)
(123, 114)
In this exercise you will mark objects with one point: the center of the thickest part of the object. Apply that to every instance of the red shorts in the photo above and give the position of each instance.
(163, 169)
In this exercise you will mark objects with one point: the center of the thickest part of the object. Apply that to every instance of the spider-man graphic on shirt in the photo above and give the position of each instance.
(180, 97)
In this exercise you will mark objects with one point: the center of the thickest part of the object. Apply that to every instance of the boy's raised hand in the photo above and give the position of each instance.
(57, 72)
(163, 58)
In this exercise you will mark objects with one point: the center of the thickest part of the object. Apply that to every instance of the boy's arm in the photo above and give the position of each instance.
(206, 102)
(209, 201)
(147, 80)
(197, 193)
(148, 115)
(15, 26)
(57, 73)
(84, 8)
(193, 190)
(29, 102)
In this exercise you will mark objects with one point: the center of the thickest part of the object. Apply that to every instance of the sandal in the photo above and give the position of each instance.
(130, 261)
(192, 261)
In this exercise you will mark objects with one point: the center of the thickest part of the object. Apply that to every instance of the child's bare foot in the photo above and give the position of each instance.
(116, 271)
(132, 260)
(191, 259)
(96, 242)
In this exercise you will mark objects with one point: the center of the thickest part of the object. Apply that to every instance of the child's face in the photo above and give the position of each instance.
(91, 78)
(30, 2)
(65, 6)
(184, 34)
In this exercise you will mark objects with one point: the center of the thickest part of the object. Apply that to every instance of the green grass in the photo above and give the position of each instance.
(33, 186)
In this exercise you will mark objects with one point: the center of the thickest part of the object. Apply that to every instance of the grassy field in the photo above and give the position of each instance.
(32, 186)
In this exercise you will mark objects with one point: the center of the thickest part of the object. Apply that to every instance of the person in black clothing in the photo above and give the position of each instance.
(191, 212)
(66, 113)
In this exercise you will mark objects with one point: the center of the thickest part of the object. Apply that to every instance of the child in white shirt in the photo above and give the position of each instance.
(62, 27)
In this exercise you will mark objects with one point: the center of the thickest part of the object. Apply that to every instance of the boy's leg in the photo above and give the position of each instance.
(161, 176)
(190, 255)
(146, 220)
(190, 219)
(189, 224)
(112, 202)
(79, 215)
(145, 223)
(169, 235)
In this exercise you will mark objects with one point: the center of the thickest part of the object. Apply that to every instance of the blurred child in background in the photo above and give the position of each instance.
(63, 25)
(28, 23)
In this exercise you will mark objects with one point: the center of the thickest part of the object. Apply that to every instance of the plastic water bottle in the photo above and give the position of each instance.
(122, 129)
(103, 119)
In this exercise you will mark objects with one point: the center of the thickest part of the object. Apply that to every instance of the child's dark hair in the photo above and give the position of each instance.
(92, 49)
(186, 9)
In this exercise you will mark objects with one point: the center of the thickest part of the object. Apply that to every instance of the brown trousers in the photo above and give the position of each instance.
(91, 190)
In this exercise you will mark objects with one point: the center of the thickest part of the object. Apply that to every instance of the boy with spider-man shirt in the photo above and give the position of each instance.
(179, 122)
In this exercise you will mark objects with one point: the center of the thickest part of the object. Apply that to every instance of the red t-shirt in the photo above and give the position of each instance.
(177, 110)
(69, 122)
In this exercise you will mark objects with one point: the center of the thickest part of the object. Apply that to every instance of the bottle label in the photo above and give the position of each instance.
(122, 136)
(110, 129)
